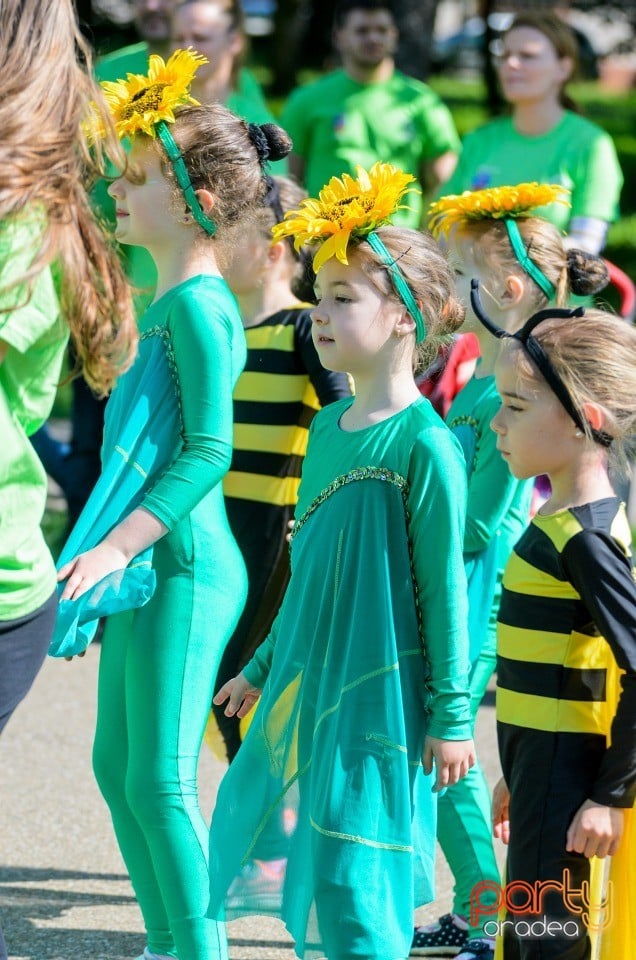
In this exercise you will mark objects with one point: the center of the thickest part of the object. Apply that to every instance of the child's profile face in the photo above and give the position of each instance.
(535, 435)
(353, 323)
(145, 210)
(465, 266)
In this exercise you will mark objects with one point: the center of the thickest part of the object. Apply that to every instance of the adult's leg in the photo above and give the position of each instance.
(23, 646)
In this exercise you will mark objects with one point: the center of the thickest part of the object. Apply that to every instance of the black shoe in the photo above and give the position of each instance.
(482, 949)
(444, 938)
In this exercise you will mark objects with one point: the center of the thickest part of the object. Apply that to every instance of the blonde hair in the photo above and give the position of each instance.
(595, 357)
(44, 164)
(569, 271)
(428, 274)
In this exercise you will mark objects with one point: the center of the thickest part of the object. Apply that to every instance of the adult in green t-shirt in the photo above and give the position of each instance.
(543, 138)
(368, 111)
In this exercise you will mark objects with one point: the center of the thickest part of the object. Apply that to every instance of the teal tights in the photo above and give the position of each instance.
(463, 813)
(156, 677)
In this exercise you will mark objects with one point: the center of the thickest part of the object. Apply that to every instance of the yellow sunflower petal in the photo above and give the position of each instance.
(347, 207)
(139, 102)
(334, 246)
(493, 203)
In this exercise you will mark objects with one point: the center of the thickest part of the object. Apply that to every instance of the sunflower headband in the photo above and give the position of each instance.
(141, 104)
(535, 351)
(500, 203)
(352, 209)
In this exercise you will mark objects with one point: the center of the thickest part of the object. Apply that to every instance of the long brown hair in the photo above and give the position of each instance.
(45, 92)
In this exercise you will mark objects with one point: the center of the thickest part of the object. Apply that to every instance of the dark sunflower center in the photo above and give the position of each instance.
(338, 207)
(143, 100)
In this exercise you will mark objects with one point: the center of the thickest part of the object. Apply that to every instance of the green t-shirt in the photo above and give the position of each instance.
(576, 154)
(337, 123)
(29, 375)
(247, 102)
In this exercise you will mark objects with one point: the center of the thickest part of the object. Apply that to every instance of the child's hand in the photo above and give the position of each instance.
(89, 568)
(453, 760)
(501, 811)
(242, 696)
(595, 830)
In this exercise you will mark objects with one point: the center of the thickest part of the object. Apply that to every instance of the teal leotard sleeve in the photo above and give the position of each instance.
(437, 506)
(491, 486)
(208, 352)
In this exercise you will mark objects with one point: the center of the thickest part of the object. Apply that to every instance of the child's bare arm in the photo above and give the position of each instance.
(453, 759)
(595, 830)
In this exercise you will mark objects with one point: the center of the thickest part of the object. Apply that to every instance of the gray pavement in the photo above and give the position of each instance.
(64, 892)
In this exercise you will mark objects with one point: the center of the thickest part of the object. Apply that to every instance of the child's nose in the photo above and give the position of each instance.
(114, 189)
(496, 424)
(317, 315)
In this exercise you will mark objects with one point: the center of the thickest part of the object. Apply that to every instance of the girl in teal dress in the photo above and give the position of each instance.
(485, 244)
(153, 549)
(363, 678)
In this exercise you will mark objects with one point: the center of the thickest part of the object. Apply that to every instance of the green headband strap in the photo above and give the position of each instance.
(528, 265)
(401, 286)
(183, 178)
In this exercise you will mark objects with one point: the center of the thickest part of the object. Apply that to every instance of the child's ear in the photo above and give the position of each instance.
(206, 200)
(595, 415)
(513, 291)
(406, 324)
(276, 251)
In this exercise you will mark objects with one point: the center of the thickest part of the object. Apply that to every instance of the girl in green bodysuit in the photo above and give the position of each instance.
(153, 547)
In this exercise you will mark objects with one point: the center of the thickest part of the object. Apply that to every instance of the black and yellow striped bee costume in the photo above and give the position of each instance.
(566, 634)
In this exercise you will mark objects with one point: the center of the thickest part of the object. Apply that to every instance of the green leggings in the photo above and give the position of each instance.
(464, 828)
(156, 677)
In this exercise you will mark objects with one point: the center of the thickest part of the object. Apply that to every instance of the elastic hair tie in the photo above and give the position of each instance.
(535, 351)
(259, 142)
(399, 283)
(533, 271)
(183, 178)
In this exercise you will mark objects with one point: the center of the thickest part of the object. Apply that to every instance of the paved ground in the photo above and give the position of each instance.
(64, 893)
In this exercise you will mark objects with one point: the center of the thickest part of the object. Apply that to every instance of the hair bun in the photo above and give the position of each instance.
(587, 273)
(278, 142)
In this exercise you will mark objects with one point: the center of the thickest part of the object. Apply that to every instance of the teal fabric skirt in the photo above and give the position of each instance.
(333, 753)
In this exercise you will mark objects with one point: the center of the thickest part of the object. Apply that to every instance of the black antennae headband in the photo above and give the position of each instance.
(536, 353)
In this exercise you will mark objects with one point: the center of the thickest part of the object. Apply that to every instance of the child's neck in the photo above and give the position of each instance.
(265, 300)
(177, 264)
(488, 350)
(584, 480)
(378, 398)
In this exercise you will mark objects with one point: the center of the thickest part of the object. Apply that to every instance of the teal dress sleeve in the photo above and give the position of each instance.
(257, 670)
(202, 347)
(437, 506)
